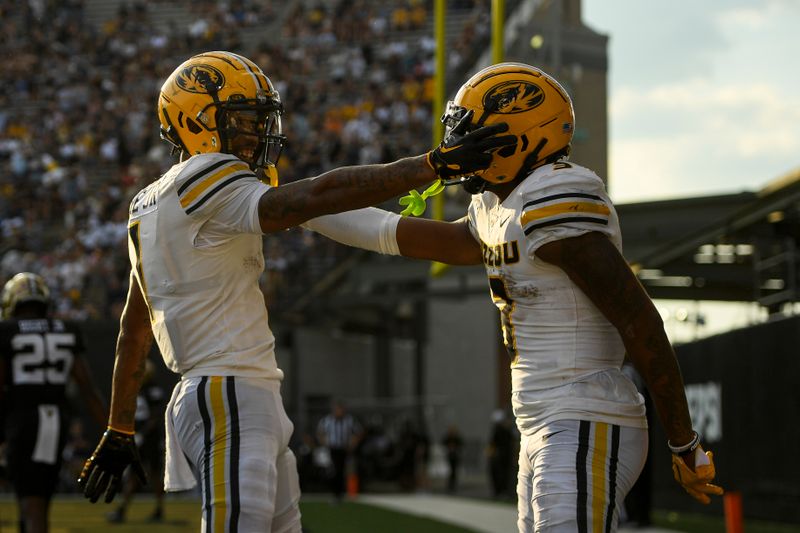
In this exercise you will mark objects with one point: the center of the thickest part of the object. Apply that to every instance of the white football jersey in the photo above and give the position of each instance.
(195, 245)
(565, 355)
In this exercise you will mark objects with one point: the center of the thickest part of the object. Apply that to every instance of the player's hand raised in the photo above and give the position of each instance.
(463, 153)
(102, 472)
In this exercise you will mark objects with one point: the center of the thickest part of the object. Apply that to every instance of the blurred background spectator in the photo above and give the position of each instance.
(453, 444)
(78, 134)
(502, 453)
(340, 433)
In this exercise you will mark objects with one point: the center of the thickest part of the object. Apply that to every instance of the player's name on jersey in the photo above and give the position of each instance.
(39, 325)
(144, 200)
(500, 254)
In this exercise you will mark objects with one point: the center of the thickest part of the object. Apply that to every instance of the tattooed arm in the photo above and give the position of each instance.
(595, 265)
(341, 189)
(133, 344)
(348, 188)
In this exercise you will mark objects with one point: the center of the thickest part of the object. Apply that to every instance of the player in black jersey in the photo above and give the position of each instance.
(38, 357)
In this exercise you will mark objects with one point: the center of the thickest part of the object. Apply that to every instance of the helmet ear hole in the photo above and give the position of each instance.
(193, 126)
(507, 151)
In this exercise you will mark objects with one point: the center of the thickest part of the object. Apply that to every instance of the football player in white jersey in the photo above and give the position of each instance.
(570, 307)
(195, 247)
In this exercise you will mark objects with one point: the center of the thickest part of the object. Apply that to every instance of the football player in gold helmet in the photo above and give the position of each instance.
(570, 307)
(221, 102)
(536, 108)
(195, 247)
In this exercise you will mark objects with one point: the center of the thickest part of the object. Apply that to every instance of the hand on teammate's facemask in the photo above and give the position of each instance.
(463, 153)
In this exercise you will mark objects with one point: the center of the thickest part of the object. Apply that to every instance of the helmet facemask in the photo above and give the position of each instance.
(252, 132)
(452, 116)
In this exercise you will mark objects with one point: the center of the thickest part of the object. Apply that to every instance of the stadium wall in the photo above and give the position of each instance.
(458, 373)
(744, 395)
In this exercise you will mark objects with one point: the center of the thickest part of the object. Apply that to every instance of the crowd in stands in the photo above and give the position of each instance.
(78, 133)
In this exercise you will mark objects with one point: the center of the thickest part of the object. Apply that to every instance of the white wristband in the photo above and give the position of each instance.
(686, 448)
(369, 228)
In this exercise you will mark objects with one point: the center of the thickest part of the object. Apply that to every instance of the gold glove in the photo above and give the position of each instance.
(697, 482)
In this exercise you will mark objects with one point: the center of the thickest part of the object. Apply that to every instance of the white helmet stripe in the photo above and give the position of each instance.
(254, 69)
(239, 59)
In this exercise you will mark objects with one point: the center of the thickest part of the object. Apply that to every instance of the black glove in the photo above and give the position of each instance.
(103, 470)
(464, 153)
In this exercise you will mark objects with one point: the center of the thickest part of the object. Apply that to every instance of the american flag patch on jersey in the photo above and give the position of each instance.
(207, 181)
(562, 208)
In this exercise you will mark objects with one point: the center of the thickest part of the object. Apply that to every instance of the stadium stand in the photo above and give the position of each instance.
(78, 134)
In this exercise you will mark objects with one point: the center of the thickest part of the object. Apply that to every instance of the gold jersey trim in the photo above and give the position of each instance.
(564, 208)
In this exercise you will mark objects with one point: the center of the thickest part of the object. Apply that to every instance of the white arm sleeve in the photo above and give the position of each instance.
(369, 228)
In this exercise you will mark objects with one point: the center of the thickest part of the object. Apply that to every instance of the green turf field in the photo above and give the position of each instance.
(75, 515)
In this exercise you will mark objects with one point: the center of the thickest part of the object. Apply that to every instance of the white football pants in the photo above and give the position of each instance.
(574, 475)
(235, 433)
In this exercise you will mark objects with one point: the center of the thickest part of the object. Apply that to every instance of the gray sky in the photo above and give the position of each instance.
(704, 94)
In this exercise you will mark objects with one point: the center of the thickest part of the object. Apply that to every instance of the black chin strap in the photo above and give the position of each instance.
(531, 159)
(473, 183)
(219, 112)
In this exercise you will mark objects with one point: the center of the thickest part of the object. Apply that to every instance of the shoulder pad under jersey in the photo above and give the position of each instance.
(562, 193)
(204, 180)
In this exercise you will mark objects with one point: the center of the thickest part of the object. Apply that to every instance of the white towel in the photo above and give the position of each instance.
(46, 449)
(178, 473)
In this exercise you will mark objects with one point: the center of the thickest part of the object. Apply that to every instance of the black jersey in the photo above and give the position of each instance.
(38, 356)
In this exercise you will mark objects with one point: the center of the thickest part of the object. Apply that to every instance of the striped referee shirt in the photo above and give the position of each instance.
(337, 432)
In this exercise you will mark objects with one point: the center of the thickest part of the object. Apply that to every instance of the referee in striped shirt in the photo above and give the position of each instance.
(340, 433)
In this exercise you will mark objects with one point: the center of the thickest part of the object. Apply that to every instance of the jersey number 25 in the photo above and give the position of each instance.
(42, 358)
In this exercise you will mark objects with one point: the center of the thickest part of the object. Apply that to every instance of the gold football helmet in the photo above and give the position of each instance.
(535, 106)
(23, 288)
(223, 102)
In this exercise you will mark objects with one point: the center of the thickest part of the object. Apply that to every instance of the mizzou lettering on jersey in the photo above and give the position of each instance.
(563, 349)
(500, 254)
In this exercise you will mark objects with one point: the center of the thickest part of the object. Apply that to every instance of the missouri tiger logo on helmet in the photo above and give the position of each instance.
(223, 102)
(513, 97)
(23, 288)
(536, 108)
(200, 79)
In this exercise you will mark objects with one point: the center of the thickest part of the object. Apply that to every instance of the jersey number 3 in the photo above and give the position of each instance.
(42, 358)
(506, 306)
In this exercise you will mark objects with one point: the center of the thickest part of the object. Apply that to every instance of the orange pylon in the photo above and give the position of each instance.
(734, 523)
(352, 484)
